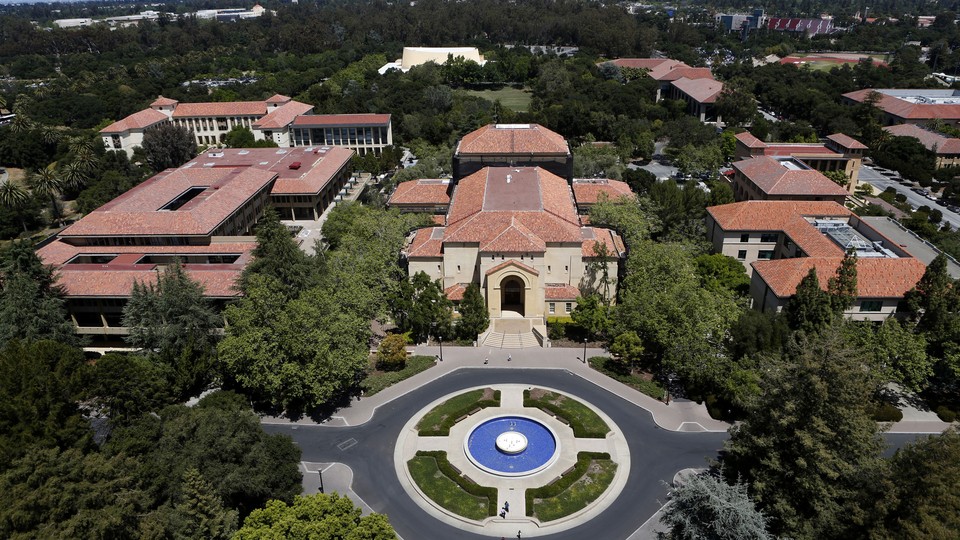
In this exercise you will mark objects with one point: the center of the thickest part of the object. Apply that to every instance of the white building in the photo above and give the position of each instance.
(416, 56)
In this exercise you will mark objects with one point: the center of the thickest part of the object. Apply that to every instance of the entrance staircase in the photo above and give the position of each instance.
(513, 333)
(501, 340)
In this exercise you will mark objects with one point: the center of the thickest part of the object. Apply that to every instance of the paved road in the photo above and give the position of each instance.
(881, 183)
(657, 454)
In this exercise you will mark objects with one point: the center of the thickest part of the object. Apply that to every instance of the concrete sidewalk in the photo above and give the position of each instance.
(680, 415)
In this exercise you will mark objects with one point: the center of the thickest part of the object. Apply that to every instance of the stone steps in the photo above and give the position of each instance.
(501, 340)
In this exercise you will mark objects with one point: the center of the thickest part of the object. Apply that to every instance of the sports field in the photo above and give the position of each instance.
(511, 98)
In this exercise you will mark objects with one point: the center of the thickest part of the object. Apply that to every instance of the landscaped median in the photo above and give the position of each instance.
(584, 422)
(377, 380)
(448, 487)
(440, 419)
(573, 490)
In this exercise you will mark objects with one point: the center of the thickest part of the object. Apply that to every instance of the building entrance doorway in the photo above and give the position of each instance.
(512, 295)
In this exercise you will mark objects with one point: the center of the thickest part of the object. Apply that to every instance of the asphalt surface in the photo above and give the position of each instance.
(656, 454)
(881, 183)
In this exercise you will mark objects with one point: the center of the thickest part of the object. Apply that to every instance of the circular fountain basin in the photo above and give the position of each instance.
(511, 445)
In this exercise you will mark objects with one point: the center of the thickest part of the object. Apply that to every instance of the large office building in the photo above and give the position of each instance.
(677, 80)
(778, 243)
(202, 214)
(417, 56)
(512, 145)
(838, 153)
(946, 149)
(363, 133)
(911, 106)
(767, 178)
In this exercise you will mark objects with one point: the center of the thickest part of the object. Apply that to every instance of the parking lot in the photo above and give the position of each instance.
(880, 181)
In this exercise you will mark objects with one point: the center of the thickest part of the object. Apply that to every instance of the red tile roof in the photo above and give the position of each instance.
(560, 291)
(455, 292)
(439, 220)
(660, 68)
(797, 149)
(847, 141)
(524, 139)
(283, 115)
(163, 102)
(512, 262)
(588, 191)
(426, 242)
(876, 278)
(225, 108)
(907, 110)
(593, 235)
(218, 283)
(137, 212)
(138, 120)
(786, 216)
(59, 252)
(421, 192)
(277, 98)
(774, 179)
(701, 90)
(933, 141)
(337, 120)
(749, 140)
(685, 72)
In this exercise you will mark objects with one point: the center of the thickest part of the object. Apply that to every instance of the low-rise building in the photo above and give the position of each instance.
(838, 153)
(589, 191)
(701, 96)
(767, 178)
(810, 27)
(363, 133)
(417, 56)
(512, 145)
(911, 106)
(778, 243)
(946, 149)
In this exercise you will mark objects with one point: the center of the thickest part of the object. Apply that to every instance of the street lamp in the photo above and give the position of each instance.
(433, 326)
(321, 479)
(670, 379)
(584, 350)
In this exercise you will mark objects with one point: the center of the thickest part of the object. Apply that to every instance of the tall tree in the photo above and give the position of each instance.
(13, 198)
(474, 317)
(46, 182)
(168, 145)
(705, 507)
(807, 444)
(315, 516)
(278, 256)
(125, 386)
(31, 304)
(810, 309)
(842, 287)
(200, 512)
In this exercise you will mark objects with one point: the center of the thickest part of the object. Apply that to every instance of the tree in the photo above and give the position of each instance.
(705, 507)
(168, 145)
(200, 513)
(896, 352)
(13, 198)
(474, 317)
(810, 309)
(736, 104)
(31, 304)
(628, 347)
(838, 177)
(278, 256)
(720, 273)
(53, 493)
(126, 386)
(934, 301)
(842, 287)
(592, 314)
(241, 137)
(392, 354)
(47, 183)
(807, 443)
(314, 516)
(422, 308)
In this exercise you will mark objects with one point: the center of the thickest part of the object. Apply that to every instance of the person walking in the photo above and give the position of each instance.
(506, 505)
(509, 357)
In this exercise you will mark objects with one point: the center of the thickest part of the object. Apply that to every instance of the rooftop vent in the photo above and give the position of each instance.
(281, 151)
(243, 152)
(509, 178)
(218, 154)
(295, 165)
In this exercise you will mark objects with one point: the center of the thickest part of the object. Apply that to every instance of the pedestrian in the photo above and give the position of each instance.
(503, 515)
(518, 534)
(506, 505)
(486, 361)
(509, 357)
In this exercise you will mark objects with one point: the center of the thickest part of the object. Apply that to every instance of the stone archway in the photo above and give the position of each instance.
(512, 295)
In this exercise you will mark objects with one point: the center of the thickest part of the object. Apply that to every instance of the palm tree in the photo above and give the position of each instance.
(47, 183)
(74, 176)
(83, 154)
(50, 135)
(13, 197)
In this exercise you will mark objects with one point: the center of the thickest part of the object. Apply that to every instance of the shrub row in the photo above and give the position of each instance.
(456, 414)
(885, 412)
(465, 483)
(377, 382)
(580, 431)
(946, 414)
(563, 483)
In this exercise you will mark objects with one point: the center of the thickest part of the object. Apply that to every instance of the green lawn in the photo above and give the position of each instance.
(511, 98)
(582, 419)
(438, 421)
(584, 485)
(378, 380)
(605, 365)
(446, 492)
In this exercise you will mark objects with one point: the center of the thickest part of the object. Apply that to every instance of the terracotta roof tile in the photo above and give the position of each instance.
(163, 102)
(701, 90)
(426, 243)
(218, 283)
(847, 141)
(283, 115)
(439, 220)
(785, 216)
(686, 72)
(560, 291)
(588, 191)
(522, 139)
(277, 98)
(933, 141)
(455, 291)
(749, 140)
(907, 110)
(138, 120)
(337, 120)
(225, 108)
(876, 278)
(774, 179)
(592, 235)
(512, 262)
(421, 192)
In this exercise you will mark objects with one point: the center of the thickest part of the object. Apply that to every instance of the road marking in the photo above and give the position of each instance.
(347, 444)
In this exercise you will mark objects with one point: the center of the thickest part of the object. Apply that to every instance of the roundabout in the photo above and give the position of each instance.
(510, 452)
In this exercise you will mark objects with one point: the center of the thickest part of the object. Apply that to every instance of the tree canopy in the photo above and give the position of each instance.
(314, 516)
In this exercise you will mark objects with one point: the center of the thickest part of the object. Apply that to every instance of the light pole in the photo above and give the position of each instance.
(321, 479)
(670, 379)
(440, 338)
(584, 350)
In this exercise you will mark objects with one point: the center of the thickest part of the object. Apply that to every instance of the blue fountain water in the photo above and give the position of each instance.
(482, 445)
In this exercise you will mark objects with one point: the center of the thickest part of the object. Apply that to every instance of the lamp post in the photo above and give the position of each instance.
(321, 479)
(584, 350)
(440, 339)
(670, 379)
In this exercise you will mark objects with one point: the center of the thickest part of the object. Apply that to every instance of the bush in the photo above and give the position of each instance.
(442, 428)
(564, 482)
(946, 414)
(614, 369)
(378, 381)
(392, 354)
(557, 327)
(465, 483)
(598, 430)
(884, 412)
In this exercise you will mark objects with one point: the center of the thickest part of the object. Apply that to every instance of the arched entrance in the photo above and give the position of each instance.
(512, 293)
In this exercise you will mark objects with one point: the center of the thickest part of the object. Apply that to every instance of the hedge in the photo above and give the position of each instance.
(456, 414)
(465, 483)
(564, 482)
(580, 431)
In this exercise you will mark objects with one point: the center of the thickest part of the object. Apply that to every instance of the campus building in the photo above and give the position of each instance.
(946, 149)
(209, 122)
(677, 80)
(363, 133)
(417, 56)
(512, 145)
(778, 243)
(516, 233)
(838, 153)
(767, 178)
(202, 213)
(911, 106)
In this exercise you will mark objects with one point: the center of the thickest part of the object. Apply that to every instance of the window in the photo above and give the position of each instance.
(871, 305)
(568, 307)
(742, 255)
(765, 254)
(744, 237)
(768, 237)
(553, 308)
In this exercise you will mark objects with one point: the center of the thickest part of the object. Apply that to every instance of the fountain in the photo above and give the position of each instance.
(511, 446)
